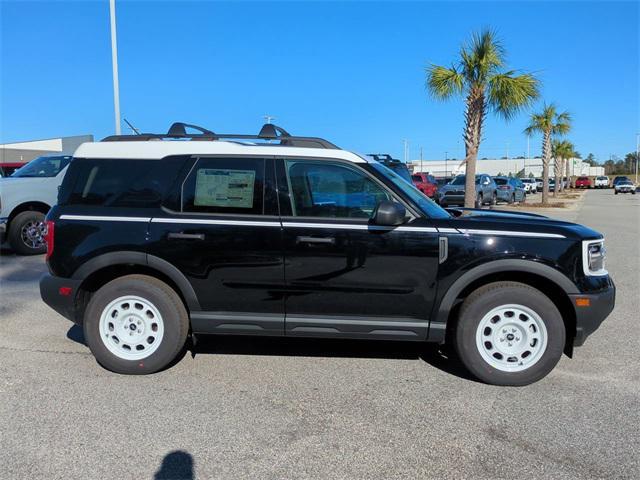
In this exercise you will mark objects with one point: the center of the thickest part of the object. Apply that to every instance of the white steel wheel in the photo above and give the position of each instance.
(131, 327)
(511, 338)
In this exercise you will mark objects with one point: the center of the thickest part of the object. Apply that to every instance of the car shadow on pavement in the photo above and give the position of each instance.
(441, 357)
(177, 465)
(438, 356)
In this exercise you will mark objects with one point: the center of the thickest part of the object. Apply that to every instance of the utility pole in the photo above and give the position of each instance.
(114, 65)
(637, 154)
(406, 149)
(446, 157)
(421, 169)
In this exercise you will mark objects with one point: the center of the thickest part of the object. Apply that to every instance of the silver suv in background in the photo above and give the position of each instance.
(453, 192)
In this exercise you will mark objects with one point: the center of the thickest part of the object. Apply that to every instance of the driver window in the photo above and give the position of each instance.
(329, 190)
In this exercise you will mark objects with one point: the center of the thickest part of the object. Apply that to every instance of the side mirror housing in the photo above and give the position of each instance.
(389, 213)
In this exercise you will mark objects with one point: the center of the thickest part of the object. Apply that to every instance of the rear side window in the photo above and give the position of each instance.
(225, 185)
(120, 183)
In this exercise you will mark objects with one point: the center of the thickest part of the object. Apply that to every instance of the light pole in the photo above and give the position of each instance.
(637, 154)
(114, 64)
(446, 171)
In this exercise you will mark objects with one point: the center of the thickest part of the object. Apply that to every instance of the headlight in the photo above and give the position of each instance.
(593, 257)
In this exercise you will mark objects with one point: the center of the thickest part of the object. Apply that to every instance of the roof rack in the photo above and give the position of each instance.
(383, 157)
(268, 132)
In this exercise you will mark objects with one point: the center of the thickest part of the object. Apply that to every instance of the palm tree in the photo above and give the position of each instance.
(562, 151)
(479, 76)
(549, 123)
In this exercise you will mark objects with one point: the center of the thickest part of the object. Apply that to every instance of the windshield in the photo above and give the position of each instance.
(460, 179)
(43, 167)
(428, 206)
(401, 169)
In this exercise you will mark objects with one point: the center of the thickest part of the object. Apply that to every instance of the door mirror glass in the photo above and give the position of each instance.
(389, 213)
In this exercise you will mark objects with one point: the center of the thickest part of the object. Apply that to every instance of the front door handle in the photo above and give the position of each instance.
(324, 240)
(185, 236)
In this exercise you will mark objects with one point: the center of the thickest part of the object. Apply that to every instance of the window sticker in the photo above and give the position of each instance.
(224, 188)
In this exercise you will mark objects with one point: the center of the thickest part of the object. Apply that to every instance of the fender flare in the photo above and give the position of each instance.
(141, 258)
(438, 323)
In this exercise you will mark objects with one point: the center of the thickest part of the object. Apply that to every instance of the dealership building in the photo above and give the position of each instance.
(23, 152)
(500, 166)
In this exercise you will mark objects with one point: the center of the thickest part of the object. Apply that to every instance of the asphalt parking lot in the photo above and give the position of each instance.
(280, 409)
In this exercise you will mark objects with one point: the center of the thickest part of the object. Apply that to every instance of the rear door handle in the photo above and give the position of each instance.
(185, 236)
(325, 240)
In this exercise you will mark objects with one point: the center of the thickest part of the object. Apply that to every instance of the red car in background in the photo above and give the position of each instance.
(583, 182)
(426, 184)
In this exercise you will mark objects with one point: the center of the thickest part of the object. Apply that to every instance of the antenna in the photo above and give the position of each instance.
(133, 129)
(268, 118)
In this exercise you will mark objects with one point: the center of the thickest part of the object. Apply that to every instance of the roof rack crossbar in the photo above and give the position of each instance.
(268, 131)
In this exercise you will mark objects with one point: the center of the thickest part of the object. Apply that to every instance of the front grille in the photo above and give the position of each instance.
(454, 192)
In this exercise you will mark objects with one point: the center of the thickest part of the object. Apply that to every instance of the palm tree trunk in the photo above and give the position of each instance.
(556, 161)
(546, 158)
(472, 134)
(566, 170)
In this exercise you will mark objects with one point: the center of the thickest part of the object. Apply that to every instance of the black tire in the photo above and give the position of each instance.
(478, 201)
(26, 221)
(493, 295)
(615, 191)
(494, 198)
(163, 298)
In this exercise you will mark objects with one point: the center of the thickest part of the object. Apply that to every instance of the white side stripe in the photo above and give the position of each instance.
(508, 233)
(364, 226)
(105, 219)
(198, 221)
(335, 226)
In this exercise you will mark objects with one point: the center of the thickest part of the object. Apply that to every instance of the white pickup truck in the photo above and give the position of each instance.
(25, 198)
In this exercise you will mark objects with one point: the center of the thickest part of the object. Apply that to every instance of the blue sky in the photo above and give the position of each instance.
(352, 72)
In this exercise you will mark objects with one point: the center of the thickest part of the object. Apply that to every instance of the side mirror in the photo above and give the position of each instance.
(389, 213)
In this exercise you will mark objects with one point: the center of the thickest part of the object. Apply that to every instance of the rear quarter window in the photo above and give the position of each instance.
(121, 183)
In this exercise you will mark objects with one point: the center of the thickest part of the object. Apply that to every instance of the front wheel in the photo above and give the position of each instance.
(26, 233)
(509, 342)
(136, 324)
(479, 201)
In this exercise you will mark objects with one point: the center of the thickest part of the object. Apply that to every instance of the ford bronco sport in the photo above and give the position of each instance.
(160, 237)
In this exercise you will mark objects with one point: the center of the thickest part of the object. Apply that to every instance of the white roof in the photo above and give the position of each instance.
(153, 149)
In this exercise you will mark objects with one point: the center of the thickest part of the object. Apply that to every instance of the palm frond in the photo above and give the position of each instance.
(482, 56)
(509, 93)
(442, 83)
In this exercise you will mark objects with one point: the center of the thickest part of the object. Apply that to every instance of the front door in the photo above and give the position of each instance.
(344, 276)
(224, 235)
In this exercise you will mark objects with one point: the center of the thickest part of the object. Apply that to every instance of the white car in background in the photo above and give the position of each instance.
(25, 198)
(530, 185)
(625, 186)
(601, 181)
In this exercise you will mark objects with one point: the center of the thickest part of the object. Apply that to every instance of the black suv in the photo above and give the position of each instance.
(156, 238)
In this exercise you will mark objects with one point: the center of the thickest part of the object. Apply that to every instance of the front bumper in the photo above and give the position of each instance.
(589, 319)
(54, 292)
(452, 199)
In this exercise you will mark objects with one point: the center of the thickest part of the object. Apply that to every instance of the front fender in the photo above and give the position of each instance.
(440, 313)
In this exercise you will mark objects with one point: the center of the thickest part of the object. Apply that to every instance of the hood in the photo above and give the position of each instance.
(7, 183)
(529, 223)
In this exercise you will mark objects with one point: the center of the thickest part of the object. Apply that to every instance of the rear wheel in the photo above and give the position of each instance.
(479, 201)
(509, 333)
(494, 198)
(26, 233)
(136, 325)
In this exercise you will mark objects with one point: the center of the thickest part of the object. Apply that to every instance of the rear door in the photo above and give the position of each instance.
(220, 228)
(346, 277)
